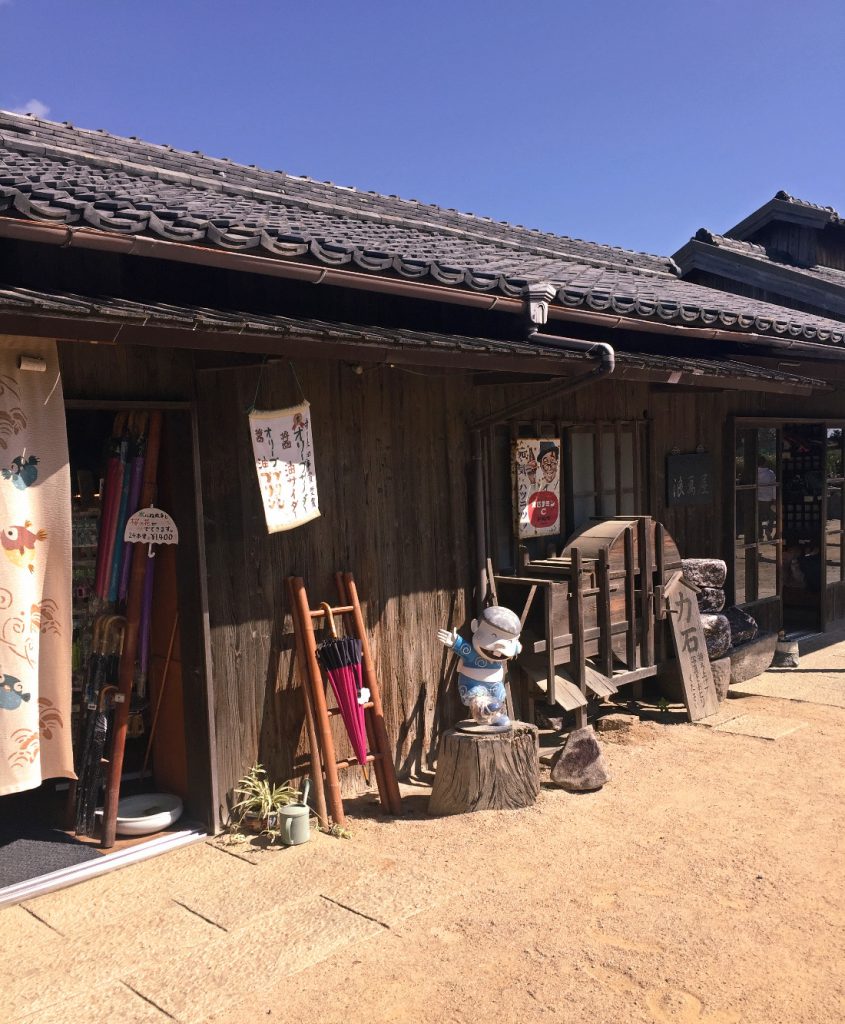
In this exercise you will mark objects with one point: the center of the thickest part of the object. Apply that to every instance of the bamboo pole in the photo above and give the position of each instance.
(130, 644)
(332, 785)
(383, 746)
(316, 758)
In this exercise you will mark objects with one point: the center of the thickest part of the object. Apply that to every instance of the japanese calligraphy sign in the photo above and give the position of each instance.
(536, 481)
(150, 526)
(284, 462)
(690, 649)
(689, 479)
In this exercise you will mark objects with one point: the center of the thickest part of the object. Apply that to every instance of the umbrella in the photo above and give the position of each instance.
(341, 659)
(90, 768)
(109, 499)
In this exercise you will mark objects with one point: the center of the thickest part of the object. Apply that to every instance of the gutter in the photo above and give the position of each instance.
(64, 236)
(605, 358)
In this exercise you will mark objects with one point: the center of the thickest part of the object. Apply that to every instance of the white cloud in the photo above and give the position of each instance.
(31, 107)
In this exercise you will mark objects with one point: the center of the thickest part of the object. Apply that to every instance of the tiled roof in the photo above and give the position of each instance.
(785, 197)
(65, 175)
(753, 251)
(246, 324)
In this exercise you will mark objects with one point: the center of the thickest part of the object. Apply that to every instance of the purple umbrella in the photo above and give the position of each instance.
(341, 658)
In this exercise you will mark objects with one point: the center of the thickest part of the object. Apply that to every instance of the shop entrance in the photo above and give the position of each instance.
(788, 529)
(58, 827)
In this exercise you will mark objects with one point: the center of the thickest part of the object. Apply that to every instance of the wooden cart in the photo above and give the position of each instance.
(591, 612)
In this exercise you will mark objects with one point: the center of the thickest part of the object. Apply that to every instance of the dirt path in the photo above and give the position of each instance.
(703, 885)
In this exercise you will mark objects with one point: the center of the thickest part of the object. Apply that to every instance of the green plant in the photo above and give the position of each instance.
(260, 798)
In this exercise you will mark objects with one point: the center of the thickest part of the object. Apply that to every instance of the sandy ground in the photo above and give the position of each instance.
(703, 885)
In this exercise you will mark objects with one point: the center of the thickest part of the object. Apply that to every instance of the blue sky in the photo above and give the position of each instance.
(632, 123)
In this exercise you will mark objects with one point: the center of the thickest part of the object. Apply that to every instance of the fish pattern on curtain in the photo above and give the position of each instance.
(35, 571)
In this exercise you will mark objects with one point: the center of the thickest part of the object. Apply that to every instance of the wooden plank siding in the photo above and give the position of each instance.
(395, 486)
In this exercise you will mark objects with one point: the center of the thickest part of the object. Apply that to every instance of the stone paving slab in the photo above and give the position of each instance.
(723, 715)
(789, 686)
(113, 1003)
(277, 884)
(136, 890)
(20, 930)
(392, 896)
(95, 961)
(271, 946)
(762, 727)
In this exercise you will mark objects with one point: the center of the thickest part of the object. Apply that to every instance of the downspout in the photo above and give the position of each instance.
(539, 297)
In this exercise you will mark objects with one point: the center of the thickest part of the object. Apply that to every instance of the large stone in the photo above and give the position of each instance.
(579, 766)
(717, 635)
(711, 599)
(721, 669)
(753, 658)
(704, 572)
(671, 686)
(743, 627)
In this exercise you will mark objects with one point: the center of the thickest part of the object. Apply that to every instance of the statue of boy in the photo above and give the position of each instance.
(481, 677)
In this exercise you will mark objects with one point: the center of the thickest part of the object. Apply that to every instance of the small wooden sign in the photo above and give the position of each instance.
(691, 649)
(689, 479)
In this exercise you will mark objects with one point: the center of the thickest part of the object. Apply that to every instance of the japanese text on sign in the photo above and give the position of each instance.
(691, 650)
(284, 462)
(689, 479)
(536, 480)
(150, 526)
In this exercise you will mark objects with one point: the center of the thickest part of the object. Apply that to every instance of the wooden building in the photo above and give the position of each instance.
(426, 341)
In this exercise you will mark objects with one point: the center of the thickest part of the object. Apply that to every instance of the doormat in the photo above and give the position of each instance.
(787, 687)
(761, 727)
(29, 852)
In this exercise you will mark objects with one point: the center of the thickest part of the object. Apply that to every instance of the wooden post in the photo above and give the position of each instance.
(394, 803)
(605, 658)
(630, 602)
(323, 729)
(378, 764)
(310, 728)
(129, 656)
(576, 626)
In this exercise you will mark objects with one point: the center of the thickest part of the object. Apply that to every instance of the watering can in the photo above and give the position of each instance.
(294, 820)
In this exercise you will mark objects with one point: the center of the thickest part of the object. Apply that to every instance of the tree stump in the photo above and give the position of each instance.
(486, 771)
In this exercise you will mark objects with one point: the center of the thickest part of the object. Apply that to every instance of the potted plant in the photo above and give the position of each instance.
(257, 810)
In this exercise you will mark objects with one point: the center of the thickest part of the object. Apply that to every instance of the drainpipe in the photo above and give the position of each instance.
(539, 297)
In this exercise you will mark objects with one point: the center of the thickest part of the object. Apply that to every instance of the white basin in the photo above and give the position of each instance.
(148, 812)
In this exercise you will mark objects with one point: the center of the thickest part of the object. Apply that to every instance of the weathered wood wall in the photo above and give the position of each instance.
(392, 451)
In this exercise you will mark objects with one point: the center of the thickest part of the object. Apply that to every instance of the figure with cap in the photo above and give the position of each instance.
(481, 677)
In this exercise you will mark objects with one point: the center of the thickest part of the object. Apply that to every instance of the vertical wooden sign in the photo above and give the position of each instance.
(691, 649)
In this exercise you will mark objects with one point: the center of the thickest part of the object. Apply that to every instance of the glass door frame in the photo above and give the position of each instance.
(837, 481)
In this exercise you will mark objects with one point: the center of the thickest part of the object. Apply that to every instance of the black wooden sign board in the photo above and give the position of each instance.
(689, 479)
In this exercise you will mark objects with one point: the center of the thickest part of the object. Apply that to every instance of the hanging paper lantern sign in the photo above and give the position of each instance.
(283, 449)
(151, 526)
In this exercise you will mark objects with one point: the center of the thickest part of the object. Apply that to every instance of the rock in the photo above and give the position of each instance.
(579, 766)
(743, 627)
(721, 669)
(717, 635)
(617, 723)
(704, 572)
(672, 688)
(752, 658)
(711, 599)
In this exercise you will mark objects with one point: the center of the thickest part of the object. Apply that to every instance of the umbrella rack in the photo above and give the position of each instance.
(324, 759)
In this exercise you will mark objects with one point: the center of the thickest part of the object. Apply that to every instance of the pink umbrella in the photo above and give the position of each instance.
(341, 658)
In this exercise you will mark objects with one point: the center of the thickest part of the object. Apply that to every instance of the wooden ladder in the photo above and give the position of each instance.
(324, 759)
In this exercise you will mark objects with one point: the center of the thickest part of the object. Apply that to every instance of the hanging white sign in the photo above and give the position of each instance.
(536, 480)
(284, 461)
(150, 526)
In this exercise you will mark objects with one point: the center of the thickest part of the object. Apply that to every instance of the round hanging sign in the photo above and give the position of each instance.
(151, 526)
